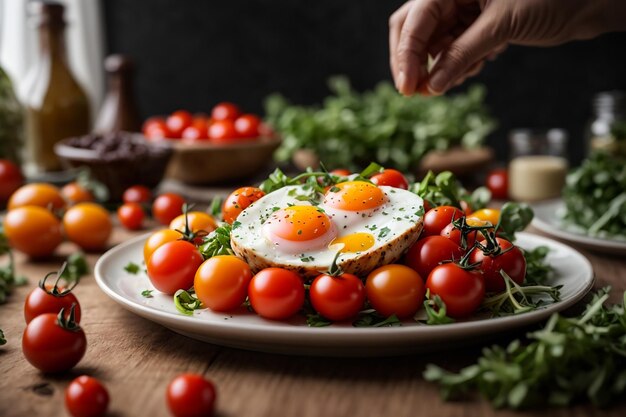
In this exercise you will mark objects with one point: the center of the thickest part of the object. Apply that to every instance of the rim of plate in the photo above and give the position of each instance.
(268, 329)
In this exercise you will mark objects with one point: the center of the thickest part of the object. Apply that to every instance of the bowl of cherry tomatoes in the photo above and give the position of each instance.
(227, 145)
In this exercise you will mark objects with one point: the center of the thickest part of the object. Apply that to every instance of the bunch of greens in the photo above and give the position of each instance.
(444, 189)
(595, 197)
(568, 360)
(351, 129)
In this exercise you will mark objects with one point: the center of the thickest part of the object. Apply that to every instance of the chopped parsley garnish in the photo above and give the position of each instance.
(236, 224)
(132, 268)
(147, 293)
(307, 259)
(383, 232)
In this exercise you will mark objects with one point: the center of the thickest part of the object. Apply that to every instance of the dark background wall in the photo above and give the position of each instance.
(193, 53)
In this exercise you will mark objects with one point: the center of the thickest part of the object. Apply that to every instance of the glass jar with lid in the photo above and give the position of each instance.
(609, 117)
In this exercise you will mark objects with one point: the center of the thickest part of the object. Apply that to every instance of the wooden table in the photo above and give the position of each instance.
(136, 359)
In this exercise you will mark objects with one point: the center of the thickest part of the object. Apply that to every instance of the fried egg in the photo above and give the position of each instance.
(368, 225)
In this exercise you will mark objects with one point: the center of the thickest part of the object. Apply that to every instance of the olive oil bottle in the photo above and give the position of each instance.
(56, 107)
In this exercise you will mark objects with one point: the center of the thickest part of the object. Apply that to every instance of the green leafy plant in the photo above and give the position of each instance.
(444, 189)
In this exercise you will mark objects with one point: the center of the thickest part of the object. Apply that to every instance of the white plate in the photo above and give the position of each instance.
(245, 330)
(547, 219)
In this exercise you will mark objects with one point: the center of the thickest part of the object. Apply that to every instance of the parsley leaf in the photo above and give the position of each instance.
(383, 232)
(132, 268)
(147, 293)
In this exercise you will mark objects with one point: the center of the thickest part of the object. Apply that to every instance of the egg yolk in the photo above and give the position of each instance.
(298, 223)
(354, 196)
(356, 242)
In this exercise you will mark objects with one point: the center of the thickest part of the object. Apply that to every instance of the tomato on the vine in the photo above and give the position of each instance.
(158, 239)
(33, 230)
(337, 297)
(247, 126)
(173, 265)
(52, 344)
(392, 178)
(37, 194)
(395, 289)
(137, 194)
(41, 301)
(238, 201)
(454, 234)
(191, 395)
(276, 293)
(167, 207)
(498, 183)
(429, 252)
(131, 215)
(11, 179)
(437, 218)
(225, 111)
(88, 225)
(510, 259)
(221, 282)
(85, 396)
(461, 290)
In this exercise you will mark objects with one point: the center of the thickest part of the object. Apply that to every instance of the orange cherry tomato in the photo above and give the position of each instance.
(238, 201)
(395, 289)
(489, 215)
(158, 239)
(74, 193)
(33, 230)
(198, 221)
(221, 282)
(88, 225)
(37, 194)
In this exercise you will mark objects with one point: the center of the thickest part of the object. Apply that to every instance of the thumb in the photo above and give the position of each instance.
(481, 38)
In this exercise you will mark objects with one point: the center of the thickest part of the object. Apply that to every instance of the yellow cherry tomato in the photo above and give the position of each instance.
(158, 239)
(88, 225)
(198, 221)
(489, 215)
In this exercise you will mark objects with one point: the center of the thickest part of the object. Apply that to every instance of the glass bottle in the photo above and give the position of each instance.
(56, 106)
(609, 119)
(119, 111)
(11, 121)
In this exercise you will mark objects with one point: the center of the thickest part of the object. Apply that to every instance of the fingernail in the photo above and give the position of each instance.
(400, 81)
(438, 82)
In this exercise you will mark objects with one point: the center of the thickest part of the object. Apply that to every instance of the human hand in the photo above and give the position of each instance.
(459, 35)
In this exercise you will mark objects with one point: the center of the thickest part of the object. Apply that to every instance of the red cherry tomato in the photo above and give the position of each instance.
(498, 183)
(337, 298)
(191, 395)
(238, 201)
(221, 282)
(86, 397)
(247, 126)
(395, 289)
(392, 178)
(178, 121)
(511, 260)
(439, 217)
(429, 252)
(173, 265)
(192, 133)
(454, 234)
(50, 347)
(276, 293)
(462, 291)
(155, 128)
(10, 179)
(222, 131)
(40, 302)
(167, 207)
(131, 215)
(225, 111)
(137, 194)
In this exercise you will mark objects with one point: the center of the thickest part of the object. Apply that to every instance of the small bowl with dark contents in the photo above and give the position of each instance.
(118, 160)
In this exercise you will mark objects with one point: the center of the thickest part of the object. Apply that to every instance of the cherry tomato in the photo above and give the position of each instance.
(198, 221)
(75, 193)
(37, 194)
(221, 282)
(489, 215)
(341, 172)
(454, 234)
(158, 239)
(11, 179)
(238, 201)
(40, 302)
(156, 128)
(50, 347)
(222, 131)
(276, 293)
(88, 225)
(191, 395)
(131, 215)
(498, 183)
(178, 121)
(429, 252)
(247, 126)
(395, 289)
(511, 260)
(167, 207)
(192, 133)
(85, 396)
(439, 217)
(173, 265)
(462, 291)
(33, 230)
(137, 194)
(337, 298)
(225, 111)
(392, 178)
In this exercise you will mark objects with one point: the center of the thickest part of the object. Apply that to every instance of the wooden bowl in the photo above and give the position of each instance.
(209, 163)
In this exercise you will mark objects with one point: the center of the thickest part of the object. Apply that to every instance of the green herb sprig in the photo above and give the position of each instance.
(217, 242)
(187, 301)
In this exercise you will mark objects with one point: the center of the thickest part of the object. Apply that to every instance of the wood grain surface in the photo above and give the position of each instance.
(136, 359)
